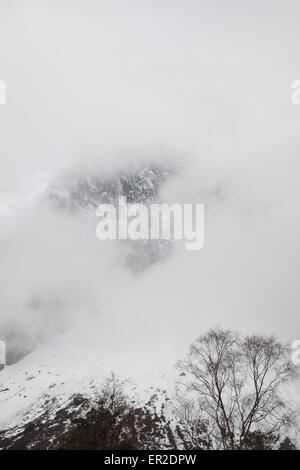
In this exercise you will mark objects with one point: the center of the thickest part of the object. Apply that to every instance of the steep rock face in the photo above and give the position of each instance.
(139, 184)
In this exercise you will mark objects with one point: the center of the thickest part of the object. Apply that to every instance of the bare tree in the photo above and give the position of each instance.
(236, 384)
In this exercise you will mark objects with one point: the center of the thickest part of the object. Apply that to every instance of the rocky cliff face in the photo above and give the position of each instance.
(83, 192)
(86, 190)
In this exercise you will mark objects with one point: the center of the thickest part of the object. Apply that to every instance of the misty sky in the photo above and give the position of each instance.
(206, 83)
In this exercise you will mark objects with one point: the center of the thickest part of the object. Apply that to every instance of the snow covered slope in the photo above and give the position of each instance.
(64, 376)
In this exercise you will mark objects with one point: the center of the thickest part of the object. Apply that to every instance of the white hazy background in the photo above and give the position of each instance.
(206, 83)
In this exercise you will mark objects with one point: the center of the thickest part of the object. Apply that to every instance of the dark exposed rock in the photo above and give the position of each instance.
(43, 431)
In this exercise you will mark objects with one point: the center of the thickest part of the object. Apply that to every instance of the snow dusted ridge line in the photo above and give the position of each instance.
(152, 221)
